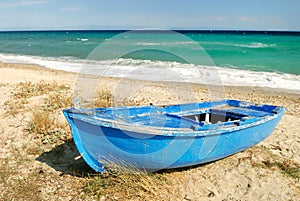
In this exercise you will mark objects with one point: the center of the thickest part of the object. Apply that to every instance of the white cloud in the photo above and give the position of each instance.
(24, 3)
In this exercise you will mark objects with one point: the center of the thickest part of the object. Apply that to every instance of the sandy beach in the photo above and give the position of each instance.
(37, 160)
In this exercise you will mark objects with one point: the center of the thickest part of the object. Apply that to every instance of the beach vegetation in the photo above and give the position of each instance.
(57, 101)
(14, 106)
(103, 98)
(46, 127)
(289, 168)
(272, 161)
(119, 182)
(30, 89)
(24, 91)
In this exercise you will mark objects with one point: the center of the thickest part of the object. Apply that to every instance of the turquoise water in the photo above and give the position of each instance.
(265, 59)
(258, 52)
(270, 52)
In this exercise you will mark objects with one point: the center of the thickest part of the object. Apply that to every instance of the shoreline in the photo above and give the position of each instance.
(237, 88)
(171, 71)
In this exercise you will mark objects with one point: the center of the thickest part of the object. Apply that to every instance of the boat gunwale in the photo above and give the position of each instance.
(168, 131)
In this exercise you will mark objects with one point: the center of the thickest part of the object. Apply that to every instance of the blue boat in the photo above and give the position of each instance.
(152, 138)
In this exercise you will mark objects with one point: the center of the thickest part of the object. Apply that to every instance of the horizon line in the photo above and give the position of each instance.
(175, 29)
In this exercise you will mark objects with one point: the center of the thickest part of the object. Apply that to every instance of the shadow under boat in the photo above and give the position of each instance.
(62, 158)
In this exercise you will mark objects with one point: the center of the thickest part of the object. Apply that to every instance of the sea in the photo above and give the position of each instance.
(269, 59)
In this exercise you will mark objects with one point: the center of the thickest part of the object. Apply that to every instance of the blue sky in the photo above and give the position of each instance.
(165, 14)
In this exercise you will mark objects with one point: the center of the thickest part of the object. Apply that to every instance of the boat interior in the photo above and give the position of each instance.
(195, 116)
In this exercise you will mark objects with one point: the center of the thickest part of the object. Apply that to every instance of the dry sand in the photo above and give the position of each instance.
(35, 170)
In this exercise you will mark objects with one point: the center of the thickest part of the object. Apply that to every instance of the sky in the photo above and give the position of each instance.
(137, 14)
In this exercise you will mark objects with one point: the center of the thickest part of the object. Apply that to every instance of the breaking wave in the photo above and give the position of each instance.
(146, 69)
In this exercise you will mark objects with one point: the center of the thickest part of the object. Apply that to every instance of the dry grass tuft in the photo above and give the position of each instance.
(103, 98)
(57, 101)
(115, 184)
(45, 127)
(287, 167)
(44, 123)
(26, 90)
(29, 89)
(41, 122)
(126, 181)
(273, 161)
(14, 106)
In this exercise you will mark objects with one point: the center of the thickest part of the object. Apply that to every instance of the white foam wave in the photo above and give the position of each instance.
(255, 45)
(64, 63)
(82, 39)
(235, 77)
(164, 71)
(164, 43)
(248, 45)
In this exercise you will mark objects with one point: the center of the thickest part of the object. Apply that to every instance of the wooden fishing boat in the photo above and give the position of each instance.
(162, 137)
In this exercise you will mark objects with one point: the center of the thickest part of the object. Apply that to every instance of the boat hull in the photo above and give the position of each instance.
(100, 145)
